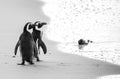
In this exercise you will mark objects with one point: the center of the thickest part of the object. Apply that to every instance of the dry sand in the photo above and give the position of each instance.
(55, 65)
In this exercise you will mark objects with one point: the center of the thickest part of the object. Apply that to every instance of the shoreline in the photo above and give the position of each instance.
(88, 68)
(56, 65)
(107, 52)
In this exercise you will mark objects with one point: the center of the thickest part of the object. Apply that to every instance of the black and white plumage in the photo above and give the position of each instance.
(37, 36)
(27, 45)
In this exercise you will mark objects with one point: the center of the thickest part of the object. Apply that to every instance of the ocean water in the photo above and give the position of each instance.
(96, 20)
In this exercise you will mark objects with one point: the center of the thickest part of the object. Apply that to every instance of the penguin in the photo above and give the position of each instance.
(27, 45)
(82, 42)
(37, 36)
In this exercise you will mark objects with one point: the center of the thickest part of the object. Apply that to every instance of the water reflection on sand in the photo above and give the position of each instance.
(108, 52)
(110, 77)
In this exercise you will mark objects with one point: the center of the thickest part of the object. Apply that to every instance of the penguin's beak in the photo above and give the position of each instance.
(41, 24)
(44, 23)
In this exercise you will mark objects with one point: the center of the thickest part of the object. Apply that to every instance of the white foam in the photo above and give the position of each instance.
(108, 52)
(75, 19)
(110, 77)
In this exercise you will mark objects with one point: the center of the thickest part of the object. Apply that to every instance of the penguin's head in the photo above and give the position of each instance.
(27, 26)
(39, 24)
(30, 26)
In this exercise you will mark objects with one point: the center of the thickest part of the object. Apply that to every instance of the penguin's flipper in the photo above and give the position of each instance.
(18, 44)
(42, 45)
(16, 47)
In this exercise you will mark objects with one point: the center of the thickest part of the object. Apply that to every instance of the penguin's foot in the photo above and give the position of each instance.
(21, 64)
(31, 63)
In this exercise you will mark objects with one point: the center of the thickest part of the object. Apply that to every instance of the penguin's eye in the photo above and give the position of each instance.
(37, 24)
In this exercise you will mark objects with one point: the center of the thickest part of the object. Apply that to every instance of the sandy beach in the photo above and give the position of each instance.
(55, 65)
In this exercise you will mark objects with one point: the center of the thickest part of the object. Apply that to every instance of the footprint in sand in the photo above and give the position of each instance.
(6, 63)
(62, 64)
(96, 65)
